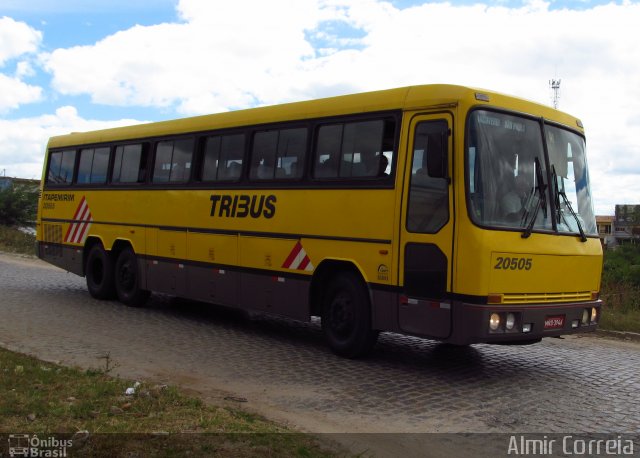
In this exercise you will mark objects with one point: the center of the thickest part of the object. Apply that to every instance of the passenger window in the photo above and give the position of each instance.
(61, 167)
(428, 208)
(94, 163)
(222, 158)
(173, 161)
(278, 154)
(355, 150)
(129, 164)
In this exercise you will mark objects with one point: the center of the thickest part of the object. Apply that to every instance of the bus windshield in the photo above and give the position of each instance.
(507, 174)
(568, 161)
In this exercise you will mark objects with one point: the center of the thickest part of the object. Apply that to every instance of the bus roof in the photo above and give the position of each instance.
(405, 98)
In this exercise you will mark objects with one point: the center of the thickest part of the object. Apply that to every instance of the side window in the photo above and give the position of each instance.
(222, 158)
(94, 163)
(362, 149)
(278, 154)
(129, 164)
(61, 165)
(173, 161)
(428, 208)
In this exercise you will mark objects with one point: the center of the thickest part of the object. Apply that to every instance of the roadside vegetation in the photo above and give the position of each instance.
(91, 408)
(13, 240)
(18, 205)
(17, 209)
(621, 289)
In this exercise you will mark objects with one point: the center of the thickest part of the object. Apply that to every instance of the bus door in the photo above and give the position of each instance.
(427, 227)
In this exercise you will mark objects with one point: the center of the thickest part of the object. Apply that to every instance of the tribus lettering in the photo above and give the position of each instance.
(242, 205)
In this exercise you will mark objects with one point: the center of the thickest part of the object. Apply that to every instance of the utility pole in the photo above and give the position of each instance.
(555, 87)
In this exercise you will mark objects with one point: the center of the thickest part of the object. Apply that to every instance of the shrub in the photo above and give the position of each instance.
(18, 205)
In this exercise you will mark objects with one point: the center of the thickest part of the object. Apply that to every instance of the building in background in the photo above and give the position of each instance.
(622, 228)
(627, 223)
(606, 229)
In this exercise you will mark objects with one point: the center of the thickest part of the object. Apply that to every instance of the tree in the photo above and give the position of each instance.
(18, 205)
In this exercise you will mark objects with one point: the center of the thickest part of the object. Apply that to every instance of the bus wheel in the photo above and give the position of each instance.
(99, 273)
(127, 279)
(346, 317)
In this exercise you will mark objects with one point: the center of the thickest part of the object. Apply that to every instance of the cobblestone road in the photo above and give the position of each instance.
(283, 369)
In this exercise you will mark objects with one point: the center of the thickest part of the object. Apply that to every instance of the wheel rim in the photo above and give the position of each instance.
(341, 315)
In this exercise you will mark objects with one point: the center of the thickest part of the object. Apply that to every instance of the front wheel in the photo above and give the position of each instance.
(127, 280)
(346, 317)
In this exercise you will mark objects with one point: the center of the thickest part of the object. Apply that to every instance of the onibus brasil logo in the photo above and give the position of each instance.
(30, 445)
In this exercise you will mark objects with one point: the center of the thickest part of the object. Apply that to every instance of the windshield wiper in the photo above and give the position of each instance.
(541, 202)
(562, 193)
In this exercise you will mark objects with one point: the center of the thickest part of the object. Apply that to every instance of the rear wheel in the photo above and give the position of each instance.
(99, 273)
(127, 280)
(346, 317)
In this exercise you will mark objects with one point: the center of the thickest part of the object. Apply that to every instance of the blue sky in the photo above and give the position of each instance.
(78, 65)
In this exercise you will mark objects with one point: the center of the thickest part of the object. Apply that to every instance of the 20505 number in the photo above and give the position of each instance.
(514, 263)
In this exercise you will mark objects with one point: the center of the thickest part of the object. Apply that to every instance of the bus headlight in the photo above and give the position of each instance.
(510, 322)
(594, 314)
(585, 317)
(494, 322)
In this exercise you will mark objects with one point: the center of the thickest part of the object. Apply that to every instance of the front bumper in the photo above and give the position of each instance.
(532, 321)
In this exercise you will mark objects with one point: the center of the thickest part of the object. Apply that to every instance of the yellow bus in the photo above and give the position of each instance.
(440, 211)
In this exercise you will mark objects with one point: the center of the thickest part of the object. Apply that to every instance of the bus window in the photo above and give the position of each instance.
(173, 161)
(328, 151)
(222, 158)
(129, 165)
(278, 154)
(94, 163)
(61, 164)
(428, 207)
(355, 150)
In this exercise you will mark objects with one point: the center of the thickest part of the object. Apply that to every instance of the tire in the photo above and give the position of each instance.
(346, 317)
(127, 280)
(99, 273)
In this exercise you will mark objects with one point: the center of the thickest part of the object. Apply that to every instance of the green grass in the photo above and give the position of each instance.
(621, 309)
(621, 289)
(46, 399)
(14, 241)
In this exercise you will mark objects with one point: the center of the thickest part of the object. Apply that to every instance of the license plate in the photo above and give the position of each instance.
(554, 322)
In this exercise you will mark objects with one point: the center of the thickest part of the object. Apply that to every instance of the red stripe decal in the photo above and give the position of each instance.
(292, 256)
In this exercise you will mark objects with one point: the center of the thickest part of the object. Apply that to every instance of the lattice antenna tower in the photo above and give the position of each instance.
(555, 88)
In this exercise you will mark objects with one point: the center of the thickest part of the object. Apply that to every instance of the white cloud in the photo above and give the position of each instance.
(228, 55)
(224, 56)
(23, 140)
(16, 39)
(14, 93)
(24, 69)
